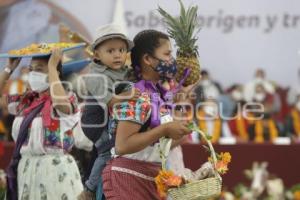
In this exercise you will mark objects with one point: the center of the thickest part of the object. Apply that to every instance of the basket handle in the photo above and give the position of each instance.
(211, 148)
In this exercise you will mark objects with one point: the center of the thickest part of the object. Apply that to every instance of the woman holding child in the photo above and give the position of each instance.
(137, 125)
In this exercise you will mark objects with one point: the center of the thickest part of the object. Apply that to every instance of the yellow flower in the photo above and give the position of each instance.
(297, 195)
(226, 157)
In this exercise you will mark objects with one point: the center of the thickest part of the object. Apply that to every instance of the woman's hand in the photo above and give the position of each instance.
(55, 59)
(13, 63)
(4, 76)
(189, 88)
(176, 130)
(183, 95)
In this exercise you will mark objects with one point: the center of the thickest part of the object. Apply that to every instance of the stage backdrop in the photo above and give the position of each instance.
(236, 37)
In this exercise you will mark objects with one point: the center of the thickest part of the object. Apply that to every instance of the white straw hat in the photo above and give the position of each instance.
(108, 32)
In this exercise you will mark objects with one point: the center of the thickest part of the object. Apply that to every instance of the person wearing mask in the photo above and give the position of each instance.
(238, 123)
(292, 124)
(41, 167)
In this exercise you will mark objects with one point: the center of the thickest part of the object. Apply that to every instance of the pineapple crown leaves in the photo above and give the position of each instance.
(183, 29)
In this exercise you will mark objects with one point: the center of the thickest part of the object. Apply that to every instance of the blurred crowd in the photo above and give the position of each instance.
(258, 111)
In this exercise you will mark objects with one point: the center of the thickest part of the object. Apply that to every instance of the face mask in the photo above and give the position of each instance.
(38, 81)
(298, 105)
(260, 97)
(166, 69)
(259, 80)
(237, 95)
(205, 83)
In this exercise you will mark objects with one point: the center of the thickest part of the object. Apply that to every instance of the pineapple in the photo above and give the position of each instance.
(184, 30)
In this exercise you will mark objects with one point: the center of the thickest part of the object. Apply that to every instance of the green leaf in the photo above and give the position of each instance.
(206, 148)
(208, 137)
(191, 126)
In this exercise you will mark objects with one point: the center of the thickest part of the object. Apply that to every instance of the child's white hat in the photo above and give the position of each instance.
(108, 32)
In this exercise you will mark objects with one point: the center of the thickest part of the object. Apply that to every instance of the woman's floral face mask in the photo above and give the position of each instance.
(166, 69)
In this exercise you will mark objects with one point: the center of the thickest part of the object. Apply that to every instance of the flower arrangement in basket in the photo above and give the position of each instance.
(194, 186)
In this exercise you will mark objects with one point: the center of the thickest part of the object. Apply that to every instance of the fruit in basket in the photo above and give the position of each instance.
(183, 30)
(40, 48)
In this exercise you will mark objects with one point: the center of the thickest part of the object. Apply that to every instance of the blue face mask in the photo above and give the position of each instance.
(166, 69)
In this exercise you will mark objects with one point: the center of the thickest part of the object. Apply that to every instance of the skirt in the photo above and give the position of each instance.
(48, 177)
(128, 179)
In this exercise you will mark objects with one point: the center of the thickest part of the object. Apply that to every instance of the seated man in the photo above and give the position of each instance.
(210, 121)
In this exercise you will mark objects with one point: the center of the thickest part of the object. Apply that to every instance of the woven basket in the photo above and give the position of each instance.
(198, 190)
(201, 189)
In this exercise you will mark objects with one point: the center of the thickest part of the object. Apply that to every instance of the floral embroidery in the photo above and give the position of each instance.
(64, 197)
(62, 177)
(13, 98)
(68, 140)
(25, 195)
(137, 111)
(52, 138)
(37, 165)
(26, 165)
(54, 125)
(69, 159)
(43, 192)
(56, 161)
(52, 132)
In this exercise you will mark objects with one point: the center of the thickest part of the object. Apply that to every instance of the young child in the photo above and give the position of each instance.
(110, 52)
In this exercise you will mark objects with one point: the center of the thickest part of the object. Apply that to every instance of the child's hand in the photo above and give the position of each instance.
(136, 94)
(55, 59)
(176, 129)
(133, 94)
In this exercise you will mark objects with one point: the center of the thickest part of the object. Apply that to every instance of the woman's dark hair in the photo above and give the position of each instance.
(145, 42)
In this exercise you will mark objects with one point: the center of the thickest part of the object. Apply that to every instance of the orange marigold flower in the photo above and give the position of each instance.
(174, 181)
(221, 167)
(226, 157)
(297, 195)
(165, 180)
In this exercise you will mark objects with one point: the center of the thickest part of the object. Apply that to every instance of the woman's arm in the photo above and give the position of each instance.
(129, 140)
(58, 94)
(4, 76)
